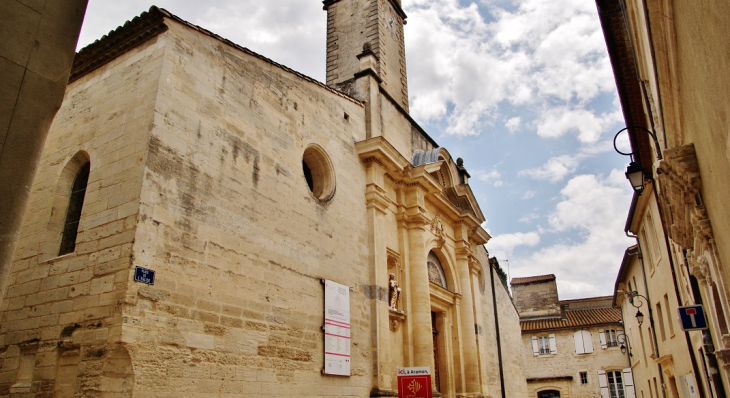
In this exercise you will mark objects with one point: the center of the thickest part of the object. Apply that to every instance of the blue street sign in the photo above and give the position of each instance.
(692, 317)
(144, 275)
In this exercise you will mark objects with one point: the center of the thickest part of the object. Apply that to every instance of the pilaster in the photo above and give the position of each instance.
(464, 256)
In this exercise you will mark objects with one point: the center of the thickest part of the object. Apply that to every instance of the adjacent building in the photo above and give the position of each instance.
(206, 222)
(662, 355)
(572, 348)
(671, 61)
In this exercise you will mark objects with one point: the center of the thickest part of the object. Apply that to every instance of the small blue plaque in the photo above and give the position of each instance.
(144, 275)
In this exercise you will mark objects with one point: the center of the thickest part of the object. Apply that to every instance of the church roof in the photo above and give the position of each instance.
(574, 319)
(425, 157)
(532, 279)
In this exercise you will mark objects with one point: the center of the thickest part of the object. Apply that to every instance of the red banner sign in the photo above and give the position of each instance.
(414, 382)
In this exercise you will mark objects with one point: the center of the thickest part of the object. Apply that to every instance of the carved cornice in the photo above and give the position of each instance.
(414, 220)
(379, 148)
(724, 357)
(375, 198)
(667, 363)
(680, 199)
(699, 268)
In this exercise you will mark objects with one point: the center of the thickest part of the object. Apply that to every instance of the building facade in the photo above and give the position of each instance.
(196, 200)
(572, 348)
(663, 357)
(669, 60)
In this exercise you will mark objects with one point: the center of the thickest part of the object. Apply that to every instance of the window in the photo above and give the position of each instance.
(616, 383)
(660, 316)
(608, 337)
(583, 342)
(646, 252)
(318, 173)
(73, 214)
(544, 345)
(583, 378)
(669, 318)
(548, 394)
(652, 237)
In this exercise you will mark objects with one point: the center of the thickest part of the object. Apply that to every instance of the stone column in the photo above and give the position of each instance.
(472, 384)
(36, 53)
(377, 203)
(419, 296)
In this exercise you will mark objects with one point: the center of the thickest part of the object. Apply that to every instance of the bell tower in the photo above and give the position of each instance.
(355, 27)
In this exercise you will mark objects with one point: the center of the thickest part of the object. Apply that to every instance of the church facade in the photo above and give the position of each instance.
(195, 200)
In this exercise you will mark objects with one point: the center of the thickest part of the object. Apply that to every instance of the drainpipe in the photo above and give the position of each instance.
(496, 326)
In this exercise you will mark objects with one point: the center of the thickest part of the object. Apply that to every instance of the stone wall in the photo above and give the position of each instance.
(65, 311)
(238, 241)
(509, 324)
(536, 298)
(567, 363)
(513, 362)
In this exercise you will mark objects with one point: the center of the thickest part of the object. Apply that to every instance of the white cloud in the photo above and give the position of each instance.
(502, 246)
(513, 124)
(529, 194)
(538, 54)
(493, 177)
(291, 32)
(585, 124)
(594, 208)
(554, 170)
(528, 218)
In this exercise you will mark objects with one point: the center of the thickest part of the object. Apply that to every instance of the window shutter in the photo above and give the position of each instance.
(535, 349)
(553, 346)
(629, 383)
(578, 339)
(603, 384)
(602, 339)
(587, 342)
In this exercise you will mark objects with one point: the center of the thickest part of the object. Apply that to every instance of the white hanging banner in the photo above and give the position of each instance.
(336, 329)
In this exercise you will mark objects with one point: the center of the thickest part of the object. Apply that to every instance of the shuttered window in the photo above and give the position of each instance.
(583, 342)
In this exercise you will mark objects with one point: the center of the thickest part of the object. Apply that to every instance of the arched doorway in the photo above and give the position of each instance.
(548, 394)
(442, 301)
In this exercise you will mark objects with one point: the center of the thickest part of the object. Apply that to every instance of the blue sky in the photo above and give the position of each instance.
(522, 90)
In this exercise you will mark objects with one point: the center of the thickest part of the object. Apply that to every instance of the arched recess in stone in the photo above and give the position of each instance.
(60, 201)
(440, 271)
(117, 376)
(66, 373)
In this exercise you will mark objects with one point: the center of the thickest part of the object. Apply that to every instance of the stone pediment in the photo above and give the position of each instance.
(453, 178)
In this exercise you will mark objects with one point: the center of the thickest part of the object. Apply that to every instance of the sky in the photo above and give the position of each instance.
(522, 90)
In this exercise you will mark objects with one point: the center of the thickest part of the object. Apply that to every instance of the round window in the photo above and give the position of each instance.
(319, 173)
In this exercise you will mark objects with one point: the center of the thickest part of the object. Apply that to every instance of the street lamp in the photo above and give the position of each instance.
(634, 173)
(624, 345)
(639, 314)
(639, 317)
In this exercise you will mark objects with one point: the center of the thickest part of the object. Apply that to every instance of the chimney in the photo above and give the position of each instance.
(563, 309)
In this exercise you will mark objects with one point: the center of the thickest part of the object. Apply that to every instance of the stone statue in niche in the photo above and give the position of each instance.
(394, 292)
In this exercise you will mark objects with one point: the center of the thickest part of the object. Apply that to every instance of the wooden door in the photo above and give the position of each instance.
(437, 380)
